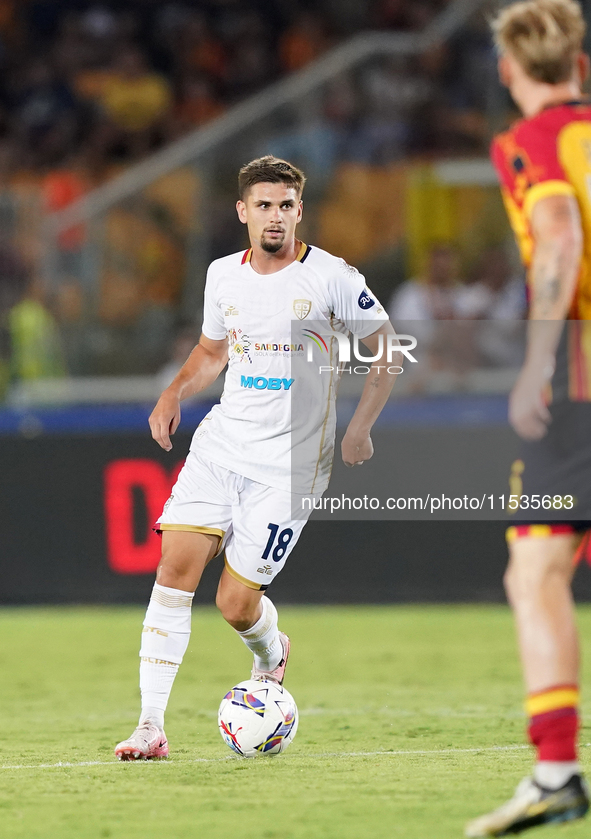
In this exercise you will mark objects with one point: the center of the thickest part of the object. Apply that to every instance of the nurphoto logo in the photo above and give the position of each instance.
(395, 344)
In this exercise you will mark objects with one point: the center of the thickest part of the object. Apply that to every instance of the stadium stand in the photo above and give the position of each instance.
(91, 88)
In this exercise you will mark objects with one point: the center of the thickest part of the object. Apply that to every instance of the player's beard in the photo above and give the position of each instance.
(272, 245)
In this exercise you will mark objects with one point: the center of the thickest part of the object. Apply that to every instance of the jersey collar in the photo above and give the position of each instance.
(301, 257)
(584, 100)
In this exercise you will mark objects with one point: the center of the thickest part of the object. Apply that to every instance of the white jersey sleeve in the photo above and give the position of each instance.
(353, 304)
(213, 321)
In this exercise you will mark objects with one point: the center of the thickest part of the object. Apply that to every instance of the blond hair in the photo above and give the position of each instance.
(544, 36)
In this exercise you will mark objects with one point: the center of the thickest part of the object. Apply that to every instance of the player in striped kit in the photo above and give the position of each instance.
(544, 166)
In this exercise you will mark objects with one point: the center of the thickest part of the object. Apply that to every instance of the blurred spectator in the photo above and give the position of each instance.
(390, 93)
(250, 69)
(196, 104)
(200, 50)
(437, 309)
(439, 295)
(444, 130)
(36, 343)
(497, 290)
(72, 50)
(134, 102)
(253, 59)
(316, 142)
(44, 114)
(30, 344)
(472, 65)
(303, 41)
(440, 125)
(499, 294)
(62, 186)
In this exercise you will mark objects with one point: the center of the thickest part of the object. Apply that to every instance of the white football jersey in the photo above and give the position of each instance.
(276, 420)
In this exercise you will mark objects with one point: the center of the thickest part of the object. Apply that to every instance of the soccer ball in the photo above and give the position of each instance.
(258, 718)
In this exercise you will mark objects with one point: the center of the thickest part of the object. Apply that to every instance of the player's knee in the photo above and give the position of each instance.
(239, 614)
(236, 614)
(522, 579)
(172, 571)
(527, 576)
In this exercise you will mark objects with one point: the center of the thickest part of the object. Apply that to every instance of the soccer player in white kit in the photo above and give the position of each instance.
(241, 486)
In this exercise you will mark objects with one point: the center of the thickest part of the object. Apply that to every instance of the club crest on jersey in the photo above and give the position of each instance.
(365, 301)
(302, 308)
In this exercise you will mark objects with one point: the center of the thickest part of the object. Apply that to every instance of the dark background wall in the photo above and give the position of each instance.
(76, 515)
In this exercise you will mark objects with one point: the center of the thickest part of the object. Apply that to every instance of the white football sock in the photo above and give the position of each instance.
(165, 638)
(263, 638)
(553, 774)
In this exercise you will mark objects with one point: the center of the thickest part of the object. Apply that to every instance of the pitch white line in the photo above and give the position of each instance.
(114, 762)
(390, 712)
(305, 756)
(403, 712)
(177, 762)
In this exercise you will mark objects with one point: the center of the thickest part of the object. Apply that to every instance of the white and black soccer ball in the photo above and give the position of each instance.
(258, 718)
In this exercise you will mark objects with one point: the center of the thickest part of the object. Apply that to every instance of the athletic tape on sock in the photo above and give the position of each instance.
(167, 625)
(165, 638)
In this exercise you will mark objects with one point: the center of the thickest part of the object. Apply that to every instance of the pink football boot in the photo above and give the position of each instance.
(146, 743)
(278, 674)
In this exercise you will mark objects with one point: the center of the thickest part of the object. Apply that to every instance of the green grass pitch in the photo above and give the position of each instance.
(410, 723)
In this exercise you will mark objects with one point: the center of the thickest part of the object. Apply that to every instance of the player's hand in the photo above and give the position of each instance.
(356, 448)
(528, 411)
(165, 418)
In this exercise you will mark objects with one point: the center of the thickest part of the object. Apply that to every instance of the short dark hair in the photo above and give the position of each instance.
(270, 170)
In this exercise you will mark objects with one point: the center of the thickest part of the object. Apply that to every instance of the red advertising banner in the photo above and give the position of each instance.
(126, 555)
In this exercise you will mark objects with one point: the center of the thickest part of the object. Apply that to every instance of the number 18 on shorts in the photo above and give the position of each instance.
(254, 521)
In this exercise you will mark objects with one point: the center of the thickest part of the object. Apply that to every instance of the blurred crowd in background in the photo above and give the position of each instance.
(107, 82)
(88, 88)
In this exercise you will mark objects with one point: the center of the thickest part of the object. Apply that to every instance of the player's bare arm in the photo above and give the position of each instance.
(356, 446)
(558, 247)
(201, 369)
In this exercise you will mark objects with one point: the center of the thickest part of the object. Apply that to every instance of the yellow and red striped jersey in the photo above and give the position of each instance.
(550, 154)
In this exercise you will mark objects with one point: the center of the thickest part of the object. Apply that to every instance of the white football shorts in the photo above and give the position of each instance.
(254, 521)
